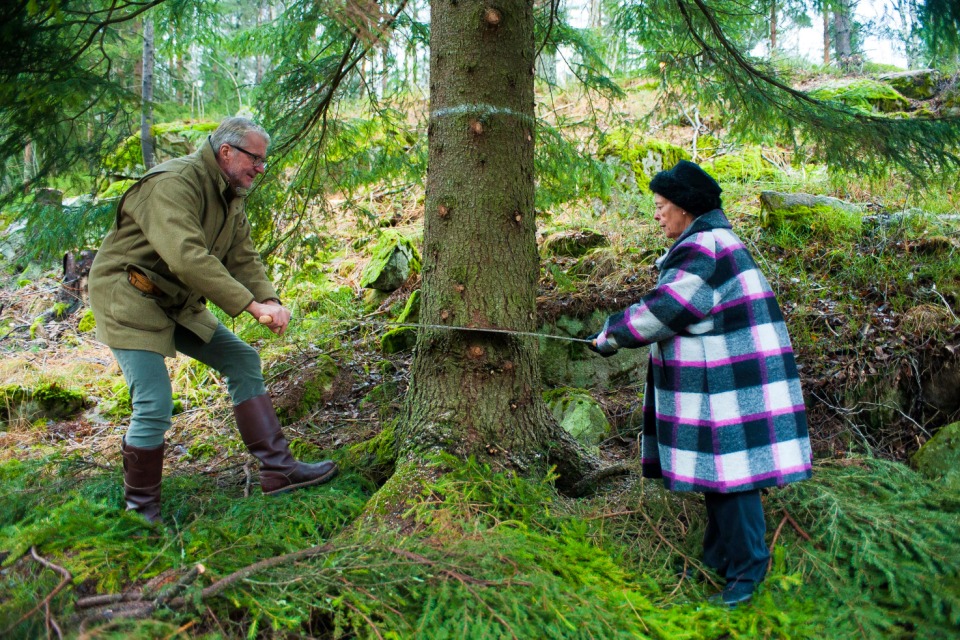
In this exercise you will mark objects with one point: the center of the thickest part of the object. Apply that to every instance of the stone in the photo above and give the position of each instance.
(403, 338)
(312, 385)
(572, 364)
(45, 401)
(921, 84)
(573, 243)
(864, 94)
(746, 166)
(646, 157)
(808, 212)
(579, 414)
(394, 259)
(939, 457)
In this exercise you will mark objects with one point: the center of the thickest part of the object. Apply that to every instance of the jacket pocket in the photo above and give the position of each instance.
(132, 308)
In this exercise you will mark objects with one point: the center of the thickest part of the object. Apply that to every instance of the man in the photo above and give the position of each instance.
(182, 238)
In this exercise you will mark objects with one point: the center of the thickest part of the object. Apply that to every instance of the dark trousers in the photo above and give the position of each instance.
(733, 543)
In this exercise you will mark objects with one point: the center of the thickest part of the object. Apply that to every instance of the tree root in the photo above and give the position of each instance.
(589, 482)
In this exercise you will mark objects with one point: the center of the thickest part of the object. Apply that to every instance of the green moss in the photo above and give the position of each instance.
(864, 94)
(48, 400)
(810, 215)
(170, 138)
(747, 166)
(116, 189)
(939, 458)
(646, 157)
(310, 388)
(388, 243)
(87, 323)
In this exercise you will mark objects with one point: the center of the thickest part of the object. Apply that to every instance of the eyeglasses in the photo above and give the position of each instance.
(258, 161)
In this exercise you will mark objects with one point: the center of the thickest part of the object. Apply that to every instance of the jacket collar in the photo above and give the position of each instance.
(710, 220)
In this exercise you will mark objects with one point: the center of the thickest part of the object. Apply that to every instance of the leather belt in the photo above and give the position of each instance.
(142, 283)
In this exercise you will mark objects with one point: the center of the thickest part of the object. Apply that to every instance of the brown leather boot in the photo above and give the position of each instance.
(142, 471)
(279, 470)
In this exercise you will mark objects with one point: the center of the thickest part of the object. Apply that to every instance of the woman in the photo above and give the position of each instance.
(723, 412)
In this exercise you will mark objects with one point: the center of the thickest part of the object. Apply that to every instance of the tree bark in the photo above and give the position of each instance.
(146, 110)
(826, 34)
(475, 394)
(841, 36)
(773, 26)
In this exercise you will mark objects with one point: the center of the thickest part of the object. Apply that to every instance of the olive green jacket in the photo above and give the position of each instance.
(183, 227)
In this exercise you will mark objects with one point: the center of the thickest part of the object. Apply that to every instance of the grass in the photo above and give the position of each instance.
(490, 555)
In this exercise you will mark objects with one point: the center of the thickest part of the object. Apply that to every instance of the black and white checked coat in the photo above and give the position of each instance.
(723, 409)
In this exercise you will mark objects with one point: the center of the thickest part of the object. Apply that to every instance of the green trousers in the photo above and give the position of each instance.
(151, 393)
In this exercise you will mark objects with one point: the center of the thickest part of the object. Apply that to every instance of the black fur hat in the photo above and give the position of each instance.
(689, 187)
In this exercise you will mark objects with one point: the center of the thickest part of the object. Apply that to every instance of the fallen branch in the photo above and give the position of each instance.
(134, 604)
(67, 578)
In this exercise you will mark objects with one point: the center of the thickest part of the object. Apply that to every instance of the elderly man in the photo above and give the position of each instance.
(182, 238)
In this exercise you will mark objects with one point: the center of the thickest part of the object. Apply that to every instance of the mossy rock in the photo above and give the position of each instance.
(573, 243)
(921, 84)
(45, 401)
(579, 414)
(403, 338)
(950, 94)
(746, 166)
(864, 94)
(646, 157)
(170, 140)
(807, 212)
(312, 385)
(572, 364)
(939, 458)
(394, 258)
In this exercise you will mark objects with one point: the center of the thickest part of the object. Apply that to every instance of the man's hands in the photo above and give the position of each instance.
(272, 314)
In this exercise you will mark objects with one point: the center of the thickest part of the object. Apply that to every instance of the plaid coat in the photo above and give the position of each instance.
(723, 409)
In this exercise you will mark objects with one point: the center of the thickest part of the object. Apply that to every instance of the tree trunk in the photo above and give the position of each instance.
(826, 34)
(841, 28)
(773, 26)
(146, 110)
(475, 394)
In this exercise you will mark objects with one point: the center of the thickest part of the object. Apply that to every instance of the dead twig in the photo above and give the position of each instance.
(67, 578)
(803, 534)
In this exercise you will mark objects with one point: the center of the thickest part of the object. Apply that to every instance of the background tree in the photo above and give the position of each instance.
(146, 95)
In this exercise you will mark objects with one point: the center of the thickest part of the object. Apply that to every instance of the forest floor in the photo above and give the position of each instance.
(867, 548)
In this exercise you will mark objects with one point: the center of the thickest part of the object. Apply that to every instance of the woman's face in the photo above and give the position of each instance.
(671, 218)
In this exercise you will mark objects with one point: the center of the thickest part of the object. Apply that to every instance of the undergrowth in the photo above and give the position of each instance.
(487, 555)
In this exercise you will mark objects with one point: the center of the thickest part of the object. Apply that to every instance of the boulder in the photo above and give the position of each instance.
(864, 94)
(394, 259)
(748, 165)
(572, 364)
(312, 385)
(573, 243)
(45, 401)
(808, 212)
(403, 338)
(921, 84)
(579, 414)
(645, 156)
(939, 458)
(170, 140)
